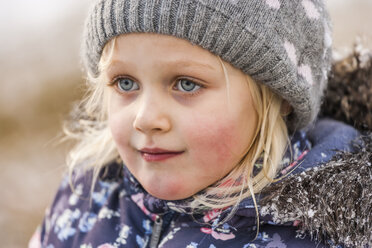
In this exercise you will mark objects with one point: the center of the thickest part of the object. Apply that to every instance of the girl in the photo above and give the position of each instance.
(194, 108)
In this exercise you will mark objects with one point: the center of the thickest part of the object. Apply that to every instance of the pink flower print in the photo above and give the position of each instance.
(106, 246)
(206, 230)
(217, 235)
(297, 223)
(294, 163)
(138, 199)
(210, 215)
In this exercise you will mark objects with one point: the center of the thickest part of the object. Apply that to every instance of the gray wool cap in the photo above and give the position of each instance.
(284, 44)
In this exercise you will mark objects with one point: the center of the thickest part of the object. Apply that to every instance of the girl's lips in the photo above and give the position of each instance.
(157, 154)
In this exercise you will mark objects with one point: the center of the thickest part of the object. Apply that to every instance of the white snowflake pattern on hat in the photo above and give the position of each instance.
(291, 51)
(275, 4)
(310, 9)
(305, 71)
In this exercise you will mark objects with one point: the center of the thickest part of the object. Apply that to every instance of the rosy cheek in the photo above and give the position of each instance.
(119, 129)
(214, 143)
(114, 127)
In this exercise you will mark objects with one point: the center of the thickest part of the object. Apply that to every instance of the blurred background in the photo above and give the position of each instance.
(40, 78)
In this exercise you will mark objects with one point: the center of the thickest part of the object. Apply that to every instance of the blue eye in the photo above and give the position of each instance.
(186, 85)
(126, 84)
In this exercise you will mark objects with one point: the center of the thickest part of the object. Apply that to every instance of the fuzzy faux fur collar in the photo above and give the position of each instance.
(334, 201)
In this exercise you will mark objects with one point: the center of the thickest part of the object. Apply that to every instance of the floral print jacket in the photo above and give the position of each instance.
(119, 213)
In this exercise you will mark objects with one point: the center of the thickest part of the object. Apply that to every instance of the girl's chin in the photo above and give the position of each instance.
(170, 193)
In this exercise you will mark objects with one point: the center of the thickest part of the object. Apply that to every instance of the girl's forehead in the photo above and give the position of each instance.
(145, 50)
(162, 48)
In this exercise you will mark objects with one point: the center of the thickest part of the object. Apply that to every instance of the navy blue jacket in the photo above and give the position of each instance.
(119, 213)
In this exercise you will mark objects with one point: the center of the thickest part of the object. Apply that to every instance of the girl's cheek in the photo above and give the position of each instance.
(215, 142)
(118, 128)
(120, 135)
(118, 115)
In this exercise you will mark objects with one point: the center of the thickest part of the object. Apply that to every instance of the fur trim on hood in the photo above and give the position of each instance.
(333, 202)
(349, 93)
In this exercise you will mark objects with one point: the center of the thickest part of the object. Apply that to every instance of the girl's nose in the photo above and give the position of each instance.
(152, 117)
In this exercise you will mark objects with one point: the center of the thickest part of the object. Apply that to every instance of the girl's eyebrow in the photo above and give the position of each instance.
(115, 65)
(183, 63)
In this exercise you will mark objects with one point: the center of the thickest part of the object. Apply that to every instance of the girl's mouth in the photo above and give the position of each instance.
(158, 154)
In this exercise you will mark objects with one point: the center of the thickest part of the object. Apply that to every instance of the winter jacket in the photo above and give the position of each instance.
(325, 202)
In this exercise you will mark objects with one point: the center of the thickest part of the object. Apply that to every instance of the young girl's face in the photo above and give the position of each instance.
(177, 124)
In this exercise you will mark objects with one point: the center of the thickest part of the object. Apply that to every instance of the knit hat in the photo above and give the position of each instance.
(284, 44)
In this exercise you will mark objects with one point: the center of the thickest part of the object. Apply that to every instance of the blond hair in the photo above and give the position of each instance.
(95, 147)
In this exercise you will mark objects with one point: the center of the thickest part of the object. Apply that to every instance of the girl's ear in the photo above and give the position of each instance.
(285, 108)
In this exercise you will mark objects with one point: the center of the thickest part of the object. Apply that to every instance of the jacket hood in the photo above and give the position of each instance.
(334, 201)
